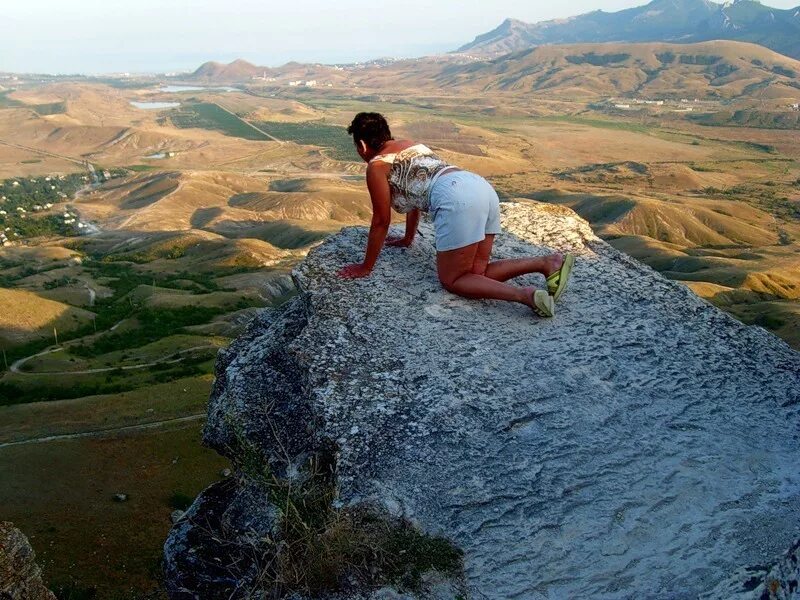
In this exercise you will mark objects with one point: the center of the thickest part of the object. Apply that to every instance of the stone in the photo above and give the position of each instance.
(20, 576)
(176, 515)
(198, 563)
(642, 443)
(120, 497)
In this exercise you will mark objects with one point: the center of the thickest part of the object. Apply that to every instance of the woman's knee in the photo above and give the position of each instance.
(447, 281)
(480, 266)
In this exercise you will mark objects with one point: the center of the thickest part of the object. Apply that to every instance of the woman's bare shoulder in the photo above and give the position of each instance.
(400, 145)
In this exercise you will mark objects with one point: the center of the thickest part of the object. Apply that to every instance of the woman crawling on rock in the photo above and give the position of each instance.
(410, 178)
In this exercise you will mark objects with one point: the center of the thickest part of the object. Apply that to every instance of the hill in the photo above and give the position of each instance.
(25, 316)
(702, 70)
(660, 20)
(480, 452)
(238, 70)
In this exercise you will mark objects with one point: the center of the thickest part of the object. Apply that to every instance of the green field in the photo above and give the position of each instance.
(206, 115)
(334, 139)
(6, 102)
(750, 118)
(61, 494)
(51, 108)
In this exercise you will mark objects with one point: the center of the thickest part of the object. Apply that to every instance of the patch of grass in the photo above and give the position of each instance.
(206, 115)
(749, 117)
(324, 546)
(769, 321)
(338, 145)
(51, 108)
(154, 324)
(597, 60)
(699, 59)
(71, 591)
(60, 495)
(180, 501)
(601, 123)
(139, 168)
(12, 392)
(321, 546)
(6, 102)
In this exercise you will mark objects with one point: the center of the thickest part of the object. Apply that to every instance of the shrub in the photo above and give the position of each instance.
(180, 501)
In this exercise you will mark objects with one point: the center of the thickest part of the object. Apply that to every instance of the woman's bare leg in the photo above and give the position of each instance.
(503, 270)
(455, 269)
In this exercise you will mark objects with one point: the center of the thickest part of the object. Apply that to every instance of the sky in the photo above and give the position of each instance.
(103, 36)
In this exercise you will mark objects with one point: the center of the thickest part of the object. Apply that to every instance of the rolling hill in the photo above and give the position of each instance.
(661, 20)
(720, 69)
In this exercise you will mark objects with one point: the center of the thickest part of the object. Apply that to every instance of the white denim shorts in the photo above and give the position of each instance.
(465, 209)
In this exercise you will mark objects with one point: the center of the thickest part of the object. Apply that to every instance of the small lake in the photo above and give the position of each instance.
(172, 89)
(156, 156)
(155, 105)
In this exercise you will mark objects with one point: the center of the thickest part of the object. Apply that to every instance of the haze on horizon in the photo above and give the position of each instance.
(102, 36)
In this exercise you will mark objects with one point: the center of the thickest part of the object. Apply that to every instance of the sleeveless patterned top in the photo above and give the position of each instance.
(411, 176)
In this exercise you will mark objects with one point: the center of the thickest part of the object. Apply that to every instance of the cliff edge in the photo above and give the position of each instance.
(641, 443)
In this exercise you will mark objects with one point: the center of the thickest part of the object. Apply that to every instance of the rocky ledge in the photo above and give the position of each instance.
(641, 443)
(20, 576)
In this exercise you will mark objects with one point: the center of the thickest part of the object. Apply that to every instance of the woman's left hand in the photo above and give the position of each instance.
(356, 271)
(398, 242)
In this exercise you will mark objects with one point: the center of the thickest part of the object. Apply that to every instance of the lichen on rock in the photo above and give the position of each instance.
(640, 444)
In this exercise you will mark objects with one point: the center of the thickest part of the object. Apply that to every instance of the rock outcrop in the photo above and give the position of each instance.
(20, 576)
(641, 443)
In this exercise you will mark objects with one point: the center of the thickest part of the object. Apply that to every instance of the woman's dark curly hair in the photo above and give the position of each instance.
(370, 127)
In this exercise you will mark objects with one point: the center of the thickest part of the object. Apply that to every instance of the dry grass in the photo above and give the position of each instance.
(25, 316)
(322, 549)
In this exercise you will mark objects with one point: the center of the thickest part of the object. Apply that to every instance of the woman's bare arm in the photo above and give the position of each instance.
(379, 193)
(412, 222)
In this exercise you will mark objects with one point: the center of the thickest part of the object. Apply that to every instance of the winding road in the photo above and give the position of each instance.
(16, 366)
(102, 432)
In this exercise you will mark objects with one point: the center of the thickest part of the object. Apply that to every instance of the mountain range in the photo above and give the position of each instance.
(682, 21)
(712, 70)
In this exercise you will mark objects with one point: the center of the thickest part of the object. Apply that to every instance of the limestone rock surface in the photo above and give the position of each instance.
(20, 576)
(640, 444)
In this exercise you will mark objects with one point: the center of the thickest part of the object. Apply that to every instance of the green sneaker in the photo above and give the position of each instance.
(557, 282)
